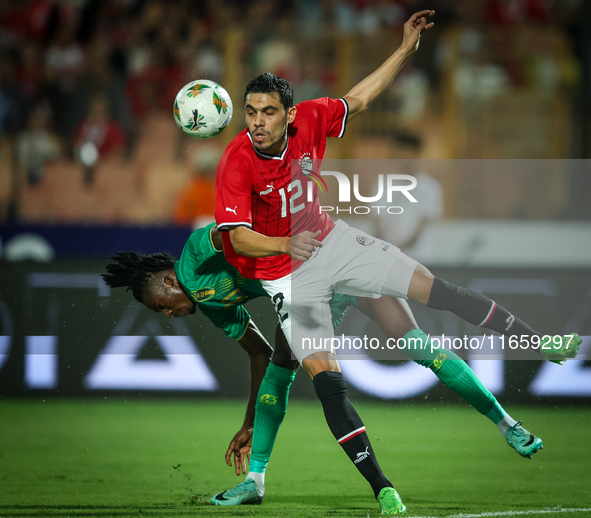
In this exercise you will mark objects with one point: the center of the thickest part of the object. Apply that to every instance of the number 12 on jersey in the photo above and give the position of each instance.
(296, 187)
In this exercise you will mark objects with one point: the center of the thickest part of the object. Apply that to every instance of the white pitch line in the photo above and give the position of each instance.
(510, 513)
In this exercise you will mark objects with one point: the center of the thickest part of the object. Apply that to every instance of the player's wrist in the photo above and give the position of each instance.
(285, 245)
(407, 49)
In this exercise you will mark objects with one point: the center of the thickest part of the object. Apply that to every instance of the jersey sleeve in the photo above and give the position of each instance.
(233, 187)
(232, 320)
(336, 112)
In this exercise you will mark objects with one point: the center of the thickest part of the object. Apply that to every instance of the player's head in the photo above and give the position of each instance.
(268, 83)
(268, 101)
(152, 280)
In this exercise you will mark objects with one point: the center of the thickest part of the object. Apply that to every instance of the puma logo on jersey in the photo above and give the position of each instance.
(228, 209)
(269, 189)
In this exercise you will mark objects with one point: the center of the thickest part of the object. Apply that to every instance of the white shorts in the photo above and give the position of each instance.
(349, 262)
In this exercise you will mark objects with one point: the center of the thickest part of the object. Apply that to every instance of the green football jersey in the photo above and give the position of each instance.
(220, 291)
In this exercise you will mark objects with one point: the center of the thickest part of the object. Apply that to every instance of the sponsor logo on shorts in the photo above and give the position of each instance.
(365, 241)
(268, 399)
(203, 294)
(362, 455)
(228, 209)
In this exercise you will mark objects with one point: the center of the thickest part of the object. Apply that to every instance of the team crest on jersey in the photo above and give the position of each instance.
(365, 241)
(306, 164)
(203, 294)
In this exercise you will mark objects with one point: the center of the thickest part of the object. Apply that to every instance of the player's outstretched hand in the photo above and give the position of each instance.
(240, 447)
(304, 244)
(413, 28)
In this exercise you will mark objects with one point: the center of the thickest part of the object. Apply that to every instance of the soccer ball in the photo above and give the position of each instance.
(202, 109)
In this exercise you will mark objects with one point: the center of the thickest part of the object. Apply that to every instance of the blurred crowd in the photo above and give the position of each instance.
(78, 78)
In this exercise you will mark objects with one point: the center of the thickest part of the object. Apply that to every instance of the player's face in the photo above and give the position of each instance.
(172, 302)
(267, 122)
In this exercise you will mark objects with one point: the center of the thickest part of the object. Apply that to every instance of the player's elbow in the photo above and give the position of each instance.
(237, 241)
(240, 242)
(357, 104)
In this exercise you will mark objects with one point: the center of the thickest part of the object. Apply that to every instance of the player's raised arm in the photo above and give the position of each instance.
(363, 94)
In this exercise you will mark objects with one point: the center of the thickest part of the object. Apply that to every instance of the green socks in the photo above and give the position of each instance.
(455, 374)
(270, 408)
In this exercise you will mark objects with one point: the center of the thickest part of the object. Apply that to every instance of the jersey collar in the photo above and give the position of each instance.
(272, 157)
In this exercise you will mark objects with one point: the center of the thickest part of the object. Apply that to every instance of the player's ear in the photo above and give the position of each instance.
(291, 114)
(169, 280)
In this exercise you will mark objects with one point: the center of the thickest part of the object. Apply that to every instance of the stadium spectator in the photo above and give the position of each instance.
(29, 71)
(12, 102)
(195, 205)
(97, 136)
(100, 129)
(37, 144)
(511, 12)
(153, 84)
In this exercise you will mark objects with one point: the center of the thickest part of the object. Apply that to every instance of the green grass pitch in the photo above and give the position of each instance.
(164, 458)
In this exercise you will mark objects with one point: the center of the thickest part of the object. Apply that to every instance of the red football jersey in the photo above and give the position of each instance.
(266, 194)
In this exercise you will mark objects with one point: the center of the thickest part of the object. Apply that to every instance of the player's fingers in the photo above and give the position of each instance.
(310, 246)
(229, 454)
(309, 243)
(237, 463)
(421, 14)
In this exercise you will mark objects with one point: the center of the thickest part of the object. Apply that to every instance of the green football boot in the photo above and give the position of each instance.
(523, 442)
(559, 351)
(245, 493)
(390, 502)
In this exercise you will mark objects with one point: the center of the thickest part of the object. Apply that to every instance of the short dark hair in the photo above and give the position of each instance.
(268, 83)
(134, 271)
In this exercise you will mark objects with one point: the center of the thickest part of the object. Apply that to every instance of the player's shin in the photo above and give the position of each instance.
(271, 407)
(450, 369)
(455, 374)
(347, 427)
(476, 309)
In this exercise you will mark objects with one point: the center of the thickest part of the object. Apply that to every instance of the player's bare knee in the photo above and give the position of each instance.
(321, 362)
(420, 285)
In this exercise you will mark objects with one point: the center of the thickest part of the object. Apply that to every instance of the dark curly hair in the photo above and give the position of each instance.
(134, 271)
(268, 83)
